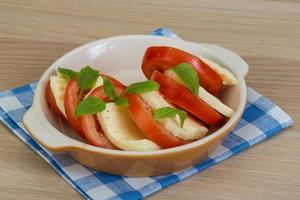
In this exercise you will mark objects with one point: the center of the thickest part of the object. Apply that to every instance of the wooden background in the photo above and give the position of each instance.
(265, 33)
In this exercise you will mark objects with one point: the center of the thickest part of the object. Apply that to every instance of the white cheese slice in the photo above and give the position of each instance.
(227, 77)
(191, 129)
(58, 86)
(122, 131)
(208, 98)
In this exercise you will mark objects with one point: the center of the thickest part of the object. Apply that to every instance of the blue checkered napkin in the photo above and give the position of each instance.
(261, 119)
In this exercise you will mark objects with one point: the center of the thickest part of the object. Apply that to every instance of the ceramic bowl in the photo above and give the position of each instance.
(121, 57)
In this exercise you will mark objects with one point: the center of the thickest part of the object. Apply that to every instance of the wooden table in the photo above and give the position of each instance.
(266, 33)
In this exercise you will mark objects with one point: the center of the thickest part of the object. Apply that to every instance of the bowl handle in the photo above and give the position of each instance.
(230, 57)
(47, 136)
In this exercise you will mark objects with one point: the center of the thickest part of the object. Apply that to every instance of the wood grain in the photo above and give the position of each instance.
(266, 33)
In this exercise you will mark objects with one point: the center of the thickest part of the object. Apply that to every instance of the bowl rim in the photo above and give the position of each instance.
(78, 145)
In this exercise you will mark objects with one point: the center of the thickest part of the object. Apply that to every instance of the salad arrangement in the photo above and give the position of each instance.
(175, 106)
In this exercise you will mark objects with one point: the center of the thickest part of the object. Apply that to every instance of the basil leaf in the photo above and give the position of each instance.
(121, 101)
(182, 116)
(188, 75)
(165, 112)
(109, 89)
(168, 112)
(141, 87)
(66, 73)
(87, 78)
(90, 106)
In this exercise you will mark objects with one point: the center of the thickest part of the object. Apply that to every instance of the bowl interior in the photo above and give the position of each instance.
(121, 57)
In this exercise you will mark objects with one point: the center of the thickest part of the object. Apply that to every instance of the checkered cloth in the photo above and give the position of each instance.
(261, 120)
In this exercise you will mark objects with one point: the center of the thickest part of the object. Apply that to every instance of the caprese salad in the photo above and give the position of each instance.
(175, 106)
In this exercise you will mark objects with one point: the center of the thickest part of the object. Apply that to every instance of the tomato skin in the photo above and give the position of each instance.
(51, 101)
(142, 115)
(89, 123)
(93, 132)
(162, 58)
(70, 102)
(185, 99)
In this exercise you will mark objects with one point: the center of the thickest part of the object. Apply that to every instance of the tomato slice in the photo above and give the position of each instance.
(185, 99)
(70, 102)
(51, 101)
(142, 115)
(162, 58)
(89, 123)
(93, 132)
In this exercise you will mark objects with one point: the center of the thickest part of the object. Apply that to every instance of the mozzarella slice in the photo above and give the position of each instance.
(208, 98)
(58, 86)
(98, 83)
(227, 77)
(191, 129)
(122, 130)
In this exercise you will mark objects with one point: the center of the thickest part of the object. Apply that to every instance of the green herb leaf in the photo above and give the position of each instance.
(165, 112)
(87, 78)
(182, 116)
(141, 87)
(121, 101)
(188, 75)
(168, 112)
(109, 89)
(90, 106)
(66, 73)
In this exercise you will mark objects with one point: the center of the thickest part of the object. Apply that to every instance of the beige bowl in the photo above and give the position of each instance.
(121, 57)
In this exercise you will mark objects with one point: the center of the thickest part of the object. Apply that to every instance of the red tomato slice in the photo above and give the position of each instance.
(89, 123)
(51, 101)
(162, 58)
(185, 99)
(142, 115)
(93, 132)
(71, 101)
